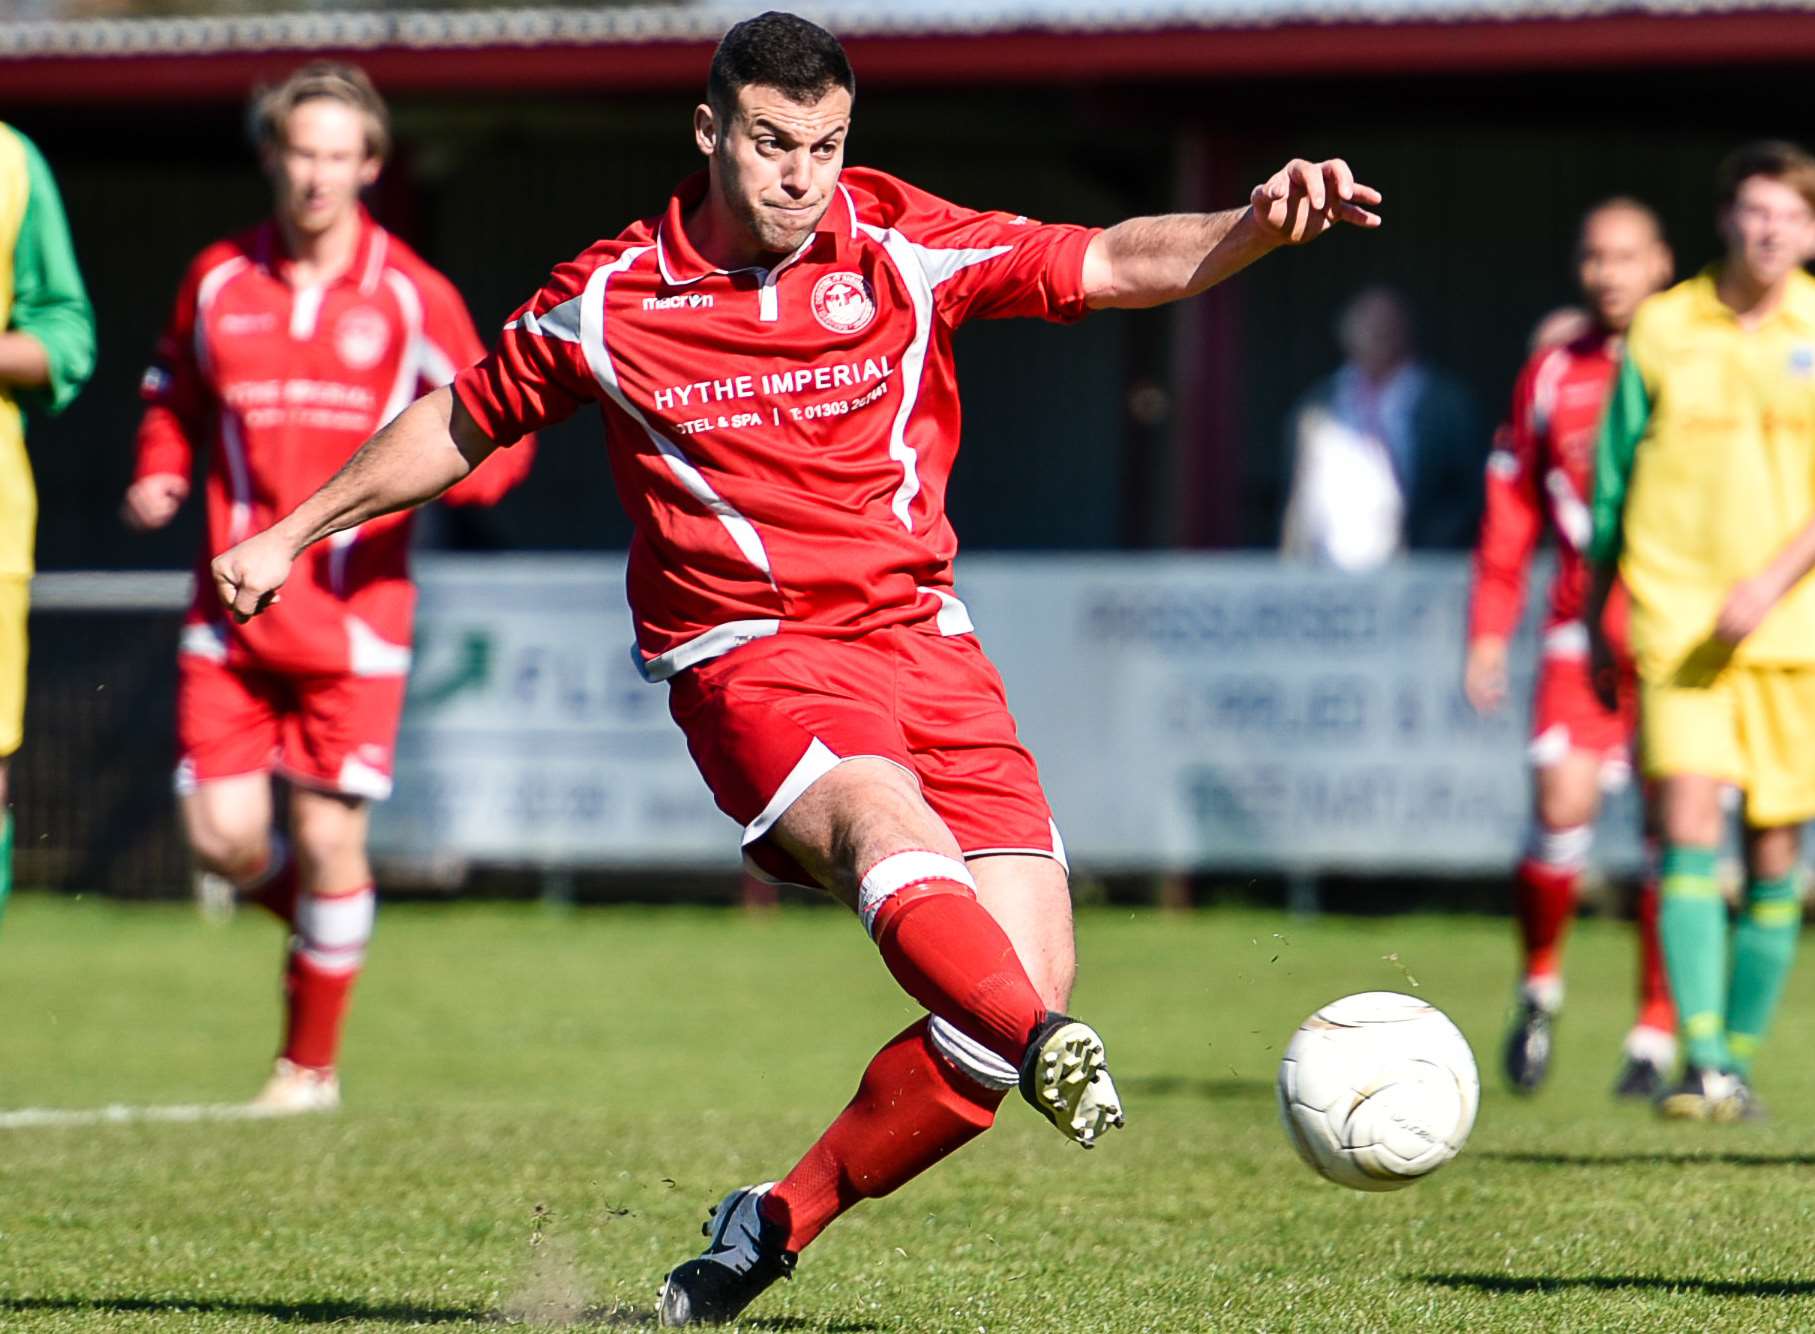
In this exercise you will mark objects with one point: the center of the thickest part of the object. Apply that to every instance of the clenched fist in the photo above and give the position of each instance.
(248, 576)
(151, 502)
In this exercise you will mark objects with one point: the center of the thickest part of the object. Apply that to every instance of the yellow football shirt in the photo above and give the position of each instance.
(1706, 470)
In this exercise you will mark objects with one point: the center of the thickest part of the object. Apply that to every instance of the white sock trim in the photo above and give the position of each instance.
(971, 1058)
(1652, 1044)
(332, 933)
(1544, 992)
(1560, 849)
(898, 871)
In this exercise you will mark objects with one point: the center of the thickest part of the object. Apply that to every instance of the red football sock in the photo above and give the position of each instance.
(325, 958)
(1655, 1007)
(911, 1109)
(1547, 901)
(274, 887)
(948, 953)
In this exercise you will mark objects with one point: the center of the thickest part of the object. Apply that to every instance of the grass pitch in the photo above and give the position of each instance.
(541, 1105)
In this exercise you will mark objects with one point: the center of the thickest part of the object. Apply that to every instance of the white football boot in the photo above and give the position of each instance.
(294, 1089)
(1065, 1076)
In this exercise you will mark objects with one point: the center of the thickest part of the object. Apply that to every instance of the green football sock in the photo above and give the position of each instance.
(6, 858)
(1692, 924)
(1764, 946)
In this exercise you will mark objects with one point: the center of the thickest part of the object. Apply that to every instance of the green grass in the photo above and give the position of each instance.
(619, 1069)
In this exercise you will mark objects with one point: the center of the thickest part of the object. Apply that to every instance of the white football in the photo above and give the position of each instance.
(1377, 1090)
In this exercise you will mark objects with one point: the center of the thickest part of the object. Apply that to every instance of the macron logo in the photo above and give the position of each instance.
(685, 301)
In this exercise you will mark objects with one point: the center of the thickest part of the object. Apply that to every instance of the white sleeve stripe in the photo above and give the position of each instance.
(942, 265)
(1574, 520)
(437, 367)
(562, 322)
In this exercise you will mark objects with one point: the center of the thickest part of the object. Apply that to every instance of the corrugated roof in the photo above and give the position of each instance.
(428, 29)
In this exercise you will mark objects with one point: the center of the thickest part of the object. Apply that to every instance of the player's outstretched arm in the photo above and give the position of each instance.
(429, 446)
(1149, 261)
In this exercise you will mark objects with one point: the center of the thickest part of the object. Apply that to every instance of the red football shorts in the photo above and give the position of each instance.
(330, 733)
(1567, 716)
(767, 720)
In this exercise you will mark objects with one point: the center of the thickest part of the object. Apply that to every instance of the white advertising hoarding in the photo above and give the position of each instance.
(529, 737)
(1187, 711)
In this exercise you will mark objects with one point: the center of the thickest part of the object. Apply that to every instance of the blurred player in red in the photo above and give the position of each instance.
(771, 356)
(289, 345)
(1541, 474)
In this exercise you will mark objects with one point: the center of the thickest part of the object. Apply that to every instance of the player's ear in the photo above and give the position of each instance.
(705, 129)
(368, 172)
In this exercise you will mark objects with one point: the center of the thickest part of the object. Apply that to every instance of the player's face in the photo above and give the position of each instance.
(776, 163)
(1769, 230)
(1622, 260)
(320, 165)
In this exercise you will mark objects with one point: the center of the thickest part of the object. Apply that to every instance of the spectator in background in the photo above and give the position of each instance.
(1387, 451)
(47, 350)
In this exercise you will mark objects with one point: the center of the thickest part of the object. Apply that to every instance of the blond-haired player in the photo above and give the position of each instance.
(1705, 497)
(289, 344)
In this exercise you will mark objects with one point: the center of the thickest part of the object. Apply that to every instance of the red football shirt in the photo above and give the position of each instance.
(1541, 471)
(282, 384)
(781, 437)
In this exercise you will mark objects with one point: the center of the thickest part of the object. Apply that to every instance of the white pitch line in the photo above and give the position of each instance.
(31, 1118)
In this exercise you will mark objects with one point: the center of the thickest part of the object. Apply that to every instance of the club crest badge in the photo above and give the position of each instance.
(1802, 361)
(843, 302)
(361, 338)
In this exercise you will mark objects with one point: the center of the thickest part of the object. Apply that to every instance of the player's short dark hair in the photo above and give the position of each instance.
(320, 80)
(780, 51)
(1775, 159)
(1624, 204)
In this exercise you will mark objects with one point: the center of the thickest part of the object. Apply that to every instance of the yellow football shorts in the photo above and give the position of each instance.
(15, 598)
(1753, 727)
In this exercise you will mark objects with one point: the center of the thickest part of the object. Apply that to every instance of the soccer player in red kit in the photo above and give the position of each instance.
(289, 345)
(771, 355)
(1541, 474)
